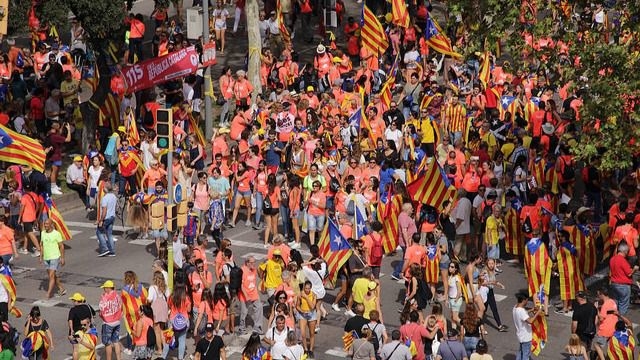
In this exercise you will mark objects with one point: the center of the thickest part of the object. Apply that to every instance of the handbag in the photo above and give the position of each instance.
(408, 100)
(266, 203)
(160, 308)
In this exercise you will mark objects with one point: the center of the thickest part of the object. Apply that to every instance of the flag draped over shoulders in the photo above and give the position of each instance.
(131, 301)
(388, 216)
(570, 277)
(537, 265)
(513, 234)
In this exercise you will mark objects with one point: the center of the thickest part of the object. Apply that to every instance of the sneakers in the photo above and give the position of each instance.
(395, 277)
(36, 253)
(56, 191)
(295, 245)
(111, 254)
(62, 293)
(127, 352)
(103, 254)
(350, 313)
(23, 251)
(503, 328)
(336, 307)
(247, 223)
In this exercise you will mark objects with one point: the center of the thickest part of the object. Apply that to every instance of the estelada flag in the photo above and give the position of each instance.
(513, 234)
(540, 334)
(131, 301)
(570, 276)
(433, 188)
(537, 266)
(621, 346)
(12, 292)
(58, 222)
(581, 237)
(388, 216)
(20, 149)
(399, 13)
(432, 264)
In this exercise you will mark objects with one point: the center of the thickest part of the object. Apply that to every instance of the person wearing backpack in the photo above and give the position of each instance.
(144, 338)
(378, 332)
(373, 248)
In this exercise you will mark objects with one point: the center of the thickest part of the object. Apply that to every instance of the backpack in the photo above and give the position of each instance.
(147, 120)
(376, 251)
(191, 228)
(179, 322)
(374, 338)
(486, 211)
(351, 205)
(334, 184)
(151, 337)
(568, 172)
(235, 277)
(423, 294)
(527, 227)
(110, 153)
(274, 75)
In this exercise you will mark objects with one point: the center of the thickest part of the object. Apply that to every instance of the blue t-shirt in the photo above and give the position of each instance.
(272, 157)
(386, 177)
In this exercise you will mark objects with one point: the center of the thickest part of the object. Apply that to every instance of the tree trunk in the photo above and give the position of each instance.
(91, 109)
(255, 47)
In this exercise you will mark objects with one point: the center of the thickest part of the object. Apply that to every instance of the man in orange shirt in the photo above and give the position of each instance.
(415, 254)
(136, 36)
(28, 217)
(628, 233)
(376, 123)
(7, 242)
(249, 297)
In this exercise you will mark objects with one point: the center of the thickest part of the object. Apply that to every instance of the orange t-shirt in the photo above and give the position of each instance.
(29, 206)
(320, 199)
(154, 176)
(6, 240)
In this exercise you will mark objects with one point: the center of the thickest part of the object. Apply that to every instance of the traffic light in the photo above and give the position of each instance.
(164, 129)
(172, 217)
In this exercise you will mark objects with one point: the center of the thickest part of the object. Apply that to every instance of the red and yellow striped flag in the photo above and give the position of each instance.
(131, 301)
(537, 266)
(58, 222)
(286, 37)
(194, 128)
(437, 40)
(399, 13)
(513, 233)
(536, 168)
(551, 177)
(110, 111)
(433, 188)
(132, 128)
(570, 277)
(388, 216)
(485, 69)
(372, 33)
(540, 334)
(10, 286)
(334, 249)
(621, 346)
(586, 247)
(20, 149)
(432, 265)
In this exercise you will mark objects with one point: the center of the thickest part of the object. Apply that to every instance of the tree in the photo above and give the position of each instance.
(601, 62)
(103, 22)
(255, 46)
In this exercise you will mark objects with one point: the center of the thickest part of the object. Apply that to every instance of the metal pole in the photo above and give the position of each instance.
(170, 202)
(208, 113)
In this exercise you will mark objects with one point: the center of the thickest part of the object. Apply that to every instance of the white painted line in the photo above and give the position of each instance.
(257, 256)
(143, 242)
(91, 225)
(337, 352)
(499, 297)
(47, 302)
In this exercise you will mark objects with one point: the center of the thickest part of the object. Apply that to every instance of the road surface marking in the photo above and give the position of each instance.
(337, 352)
(91, 225)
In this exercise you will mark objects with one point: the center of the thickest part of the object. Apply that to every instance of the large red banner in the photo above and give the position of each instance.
(148, 73)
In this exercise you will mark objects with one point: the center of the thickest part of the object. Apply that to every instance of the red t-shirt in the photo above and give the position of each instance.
(619, 270)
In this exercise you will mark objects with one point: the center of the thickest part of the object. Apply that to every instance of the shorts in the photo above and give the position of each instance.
(57, 163)
(142, 352)
(220, 25)
(14, 224)
(493, 252)
(455, 305)
(159, 234)
(309, 316)
(189, 239)
(234, 309)
(444, 265)
(28, 226)
(315, 222)
(244, 194)
(110, 334)
(53, 264)
(601, 341)
(272, 211)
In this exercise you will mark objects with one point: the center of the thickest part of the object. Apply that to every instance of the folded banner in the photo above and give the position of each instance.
(148, 73)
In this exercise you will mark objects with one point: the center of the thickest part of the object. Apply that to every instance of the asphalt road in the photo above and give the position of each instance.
(85, 272)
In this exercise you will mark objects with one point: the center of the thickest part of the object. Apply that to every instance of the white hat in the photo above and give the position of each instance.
(241, 73)
(548, 128)
(320, 49)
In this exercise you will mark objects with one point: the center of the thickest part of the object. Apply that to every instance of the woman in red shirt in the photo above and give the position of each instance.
(243, 178)
(221, 305)
(316, 204)
(142, 349)
(271, 208)
(295, 193)
(179, 310)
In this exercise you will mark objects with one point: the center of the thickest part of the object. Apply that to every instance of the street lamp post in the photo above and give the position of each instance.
(208, 114)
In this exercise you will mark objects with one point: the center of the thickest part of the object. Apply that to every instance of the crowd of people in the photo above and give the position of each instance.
(324, 146)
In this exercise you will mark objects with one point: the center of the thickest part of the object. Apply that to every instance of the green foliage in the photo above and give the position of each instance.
(101, 19)
(18, 16)
(612, 98)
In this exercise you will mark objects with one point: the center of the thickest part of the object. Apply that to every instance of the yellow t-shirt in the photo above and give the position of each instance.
(369, 304)
(304, 305)
(359, 289)
(69, 86)
(491, 236)
(428, 131)
(273, 271)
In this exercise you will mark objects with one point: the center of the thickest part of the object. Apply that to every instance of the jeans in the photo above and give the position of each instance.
(491, 302)
(400, 264)
(255, 308)
(131, 180)
(236, 20)
(524, 352)
(622, 293)
(470, 344)
(181, 339)
(259, 202)
(105, 235)
(224, 112)
(135, 48)
(287, 228)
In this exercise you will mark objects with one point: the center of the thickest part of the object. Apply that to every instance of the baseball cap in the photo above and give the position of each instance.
(108, 284)
(277, 252)
(77, 158)
(581, 294)
(209, 327)
(77, 297)
(121, 128)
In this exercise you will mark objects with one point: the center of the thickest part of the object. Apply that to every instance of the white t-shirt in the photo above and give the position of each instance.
(294, 352)
(154, 292)
(395, 135)
(94, 175)
(178, 258)
(523, 328)
(316, 281)
(453, 286)
(277, 337)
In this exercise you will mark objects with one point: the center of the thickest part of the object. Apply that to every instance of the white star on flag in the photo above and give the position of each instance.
(337, 240)
(505, 101)
(360, 228)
